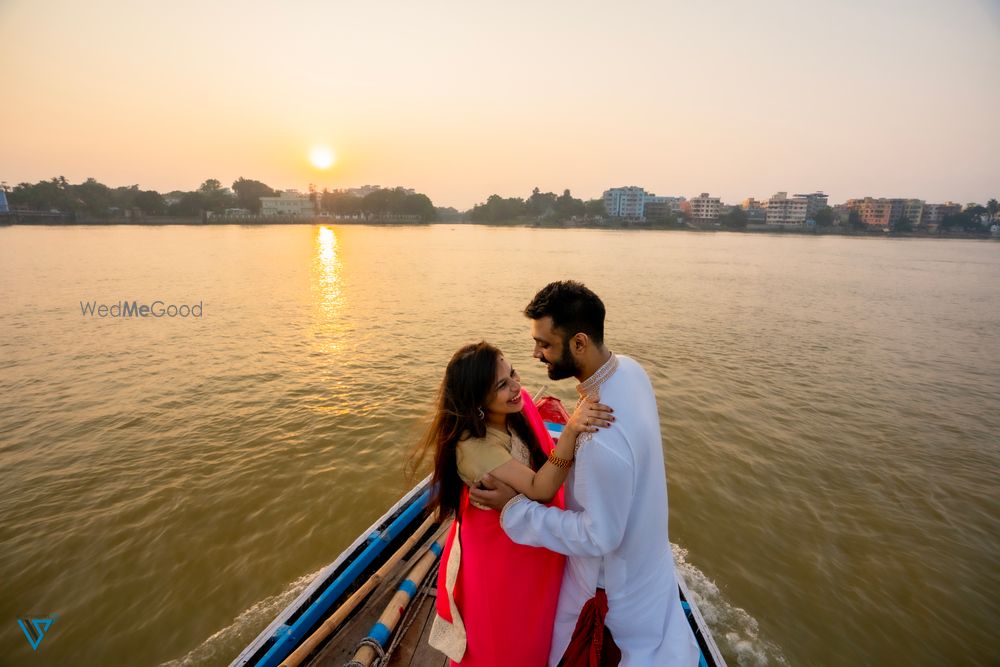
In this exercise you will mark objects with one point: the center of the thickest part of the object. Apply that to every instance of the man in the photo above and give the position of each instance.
(614, 527)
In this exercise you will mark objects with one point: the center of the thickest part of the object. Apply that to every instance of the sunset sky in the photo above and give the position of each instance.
(463, 99)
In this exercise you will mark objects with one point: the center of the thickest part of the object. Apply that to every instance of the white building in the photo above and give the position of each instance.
(814, 202)
(288, 204)
(783, 211)
(705, 208)
(628, 202)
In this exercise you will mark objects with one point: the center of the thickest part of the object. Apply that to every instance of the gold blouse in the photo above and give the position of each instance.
(478, 456)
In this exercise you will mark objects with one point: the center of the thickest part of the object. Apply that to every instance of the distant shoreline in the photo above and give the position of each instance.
(57, 221)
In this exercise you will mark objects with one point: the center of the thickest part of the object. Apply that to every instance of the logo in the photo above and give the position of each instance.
(35, 628)
(135, 309)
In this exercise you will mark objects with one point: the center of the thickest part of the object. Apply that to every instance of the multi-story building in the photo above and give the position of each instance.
(704, 207)
(814, 202)
(289, 204)
(658, 207)
(627, 203)
(883, 213)
(932, 214)
(784, 211)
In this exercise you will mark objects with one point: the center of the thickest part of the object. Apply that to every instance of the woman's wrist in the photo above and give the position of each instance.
(562, 462)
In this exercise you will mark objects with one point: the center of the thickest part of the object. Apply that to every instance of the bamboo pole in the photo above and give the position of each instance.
(322, 632)
(382, 630)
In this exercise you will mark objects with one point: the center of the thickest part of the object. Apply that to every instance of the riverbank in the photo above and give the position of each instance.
(56, 219)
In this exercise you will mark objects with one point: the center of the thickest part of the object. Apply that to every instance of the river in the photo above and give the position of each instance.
(828, 405)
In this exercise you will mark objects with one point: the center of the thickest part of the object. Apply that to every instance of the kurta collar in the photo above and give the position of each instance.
(592, 385)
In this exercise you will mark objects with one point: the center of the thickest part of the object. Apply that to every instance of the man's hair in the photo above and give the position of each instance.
(572, 307)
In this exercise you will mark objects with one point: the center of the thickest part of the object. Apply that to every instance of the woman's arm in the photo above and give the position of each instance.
(543, 485)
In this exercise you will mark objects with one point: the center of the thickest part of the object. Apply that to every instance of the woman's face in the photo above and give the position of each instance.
(506, 391)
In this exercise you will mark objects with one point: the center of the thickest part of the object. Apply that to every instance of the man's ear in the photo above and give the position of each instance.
(579, 343)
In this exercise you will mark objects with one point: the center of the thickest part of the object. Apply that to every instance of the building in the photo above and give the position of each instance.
(705, 208)
(756, 211)
(932, 214)
(786, 212)
(661, 208)
(883, 213)
(288, 204)
(814, 202)
(628, 203)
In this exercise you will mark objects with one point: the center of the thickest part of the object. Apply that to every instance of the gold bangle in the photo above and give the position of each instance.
(559, 462)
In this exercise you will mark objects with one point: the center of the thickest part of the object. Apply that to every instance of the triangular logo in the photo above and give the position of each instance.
(35, 634)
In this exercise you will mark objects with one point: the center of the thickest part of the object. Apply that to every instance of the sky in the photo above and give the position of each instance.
(461, 100)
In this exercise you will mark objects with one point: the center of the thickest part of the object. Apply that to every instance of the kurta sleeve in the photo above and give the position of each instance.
(478, 456)
(604, 487)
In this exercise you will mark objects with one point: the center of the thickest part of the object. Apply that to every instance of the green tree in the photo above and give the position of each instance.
(150, 202)
(540, 204)
(595, 208)
(191, 204)
(824, 217)
(736, 218)
(498, 209)
(420, 204)
(96, 198)
(967, 221)
(210, 186)
(567, 206)
(901, 225)
(340, 203)
(248, 193)
(993, 207)
(214, 196)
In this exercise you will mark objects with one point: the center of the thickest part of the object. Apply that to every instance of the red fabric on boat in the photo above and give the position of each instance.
(551, 410)
(592, 644)
(506, 593)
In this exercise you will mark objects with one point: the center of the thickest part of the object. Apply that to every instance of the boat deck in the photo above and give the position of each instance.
(411, 649)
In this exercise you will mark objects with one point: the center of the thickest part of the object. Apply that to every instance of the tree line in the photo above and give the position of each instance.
(539, 206)
(97, 200)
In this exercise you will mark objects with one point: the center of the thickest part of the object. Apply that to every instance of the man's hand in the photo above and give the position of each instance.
(492, 493)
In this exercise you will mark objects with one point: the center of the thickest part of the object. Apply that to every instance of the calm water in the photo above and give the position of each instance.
(829, 411)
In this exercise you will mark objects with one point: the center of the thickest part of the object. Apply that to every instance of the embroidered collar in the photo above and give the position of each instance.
(591, 386)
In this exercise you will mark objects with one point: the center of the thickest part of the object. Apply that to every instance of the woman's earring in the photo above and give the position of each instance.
(482, 415)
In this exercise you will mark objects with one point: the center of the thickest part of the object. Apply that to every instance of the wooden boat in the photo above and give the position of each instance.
(368, 606)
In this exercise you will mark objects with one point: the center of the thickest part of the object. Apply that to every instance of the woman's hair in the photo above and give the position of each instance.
(467, 387)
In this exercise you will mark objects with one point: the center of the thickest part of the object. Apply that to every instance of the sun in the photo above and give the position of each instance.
(321, 157)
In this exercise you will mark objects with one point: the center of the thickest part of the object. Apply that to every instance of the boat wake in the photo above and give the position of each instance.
(735, 631)
(224, 645)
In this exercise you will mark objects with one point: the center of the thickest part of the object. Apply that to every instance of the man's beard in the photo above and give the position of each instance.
(566, 366)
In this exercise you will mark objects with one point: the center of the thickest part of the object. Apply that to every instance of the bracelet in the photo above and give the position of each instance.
(559, 462)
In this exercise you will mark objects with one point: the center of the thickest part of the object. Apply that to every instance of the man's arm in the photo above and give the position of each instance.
(604, 486)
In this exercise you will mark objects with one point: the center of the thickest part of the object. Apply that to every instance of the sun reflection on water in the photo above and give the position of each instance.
(326, 280)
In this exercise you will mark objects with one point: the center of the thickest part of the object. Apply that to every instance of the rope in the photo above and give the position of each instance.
(379, 652)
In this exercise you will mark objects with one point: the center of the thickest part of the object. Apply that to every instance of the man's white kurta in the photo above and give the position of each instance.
(614, 531)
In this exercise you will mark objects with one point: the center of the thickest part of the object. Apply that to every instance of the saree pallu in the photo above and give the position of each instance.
(498, 605)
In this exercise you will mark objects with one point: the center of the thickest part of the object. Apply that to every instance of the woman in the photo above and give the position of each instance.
(496, 599)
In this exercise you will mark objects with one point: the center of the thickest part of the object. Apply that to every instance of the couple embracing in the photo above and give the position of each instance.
(536, 572)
